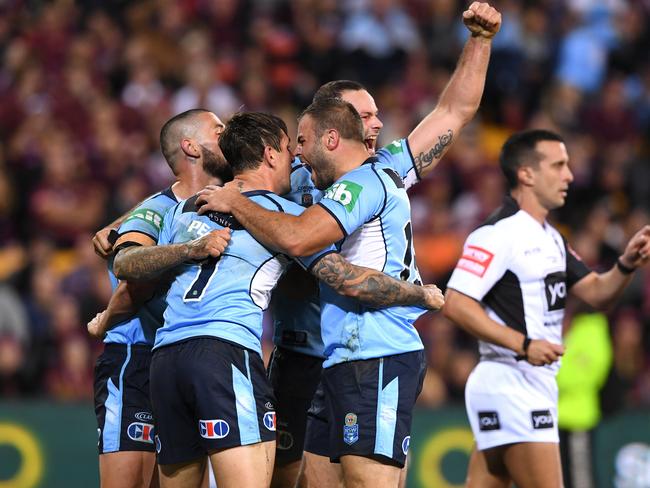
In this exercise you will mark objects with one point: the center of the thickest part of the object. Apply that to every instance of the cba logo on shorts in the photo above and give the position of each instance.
(542, 419)
(350, 429)
(269, 421)
(213, 429)
(488, 421)
(140, 432)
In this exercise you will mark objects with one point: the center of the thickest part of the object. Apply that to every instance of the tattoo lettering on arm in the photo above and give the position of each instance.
(369, 286)
(423, 160)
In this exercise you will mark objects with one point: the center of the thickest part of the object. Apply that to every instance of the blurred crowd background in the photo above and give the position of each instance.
(85, 87)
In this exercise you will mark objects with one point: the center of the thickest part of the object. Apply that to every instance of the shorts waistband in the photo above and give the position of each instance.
(135, 348)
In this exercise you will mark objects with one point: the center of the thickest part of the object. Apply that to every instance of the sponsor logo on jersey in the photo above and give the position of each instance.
(284, 440)
(213, 429)
(346, 193)
(488, 421)
(151, 216)
(141, 432)
(269, 421)
(475, 260)
(556, 291)
(198, 228)
(542, 419)
(405, 444)
(350, 429)
(395, 147)
(144, 416)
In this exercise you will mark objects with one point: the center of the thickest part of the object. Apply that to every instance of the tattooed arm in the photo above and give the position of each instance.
(372, 287)
(149, 262)
(461, 97)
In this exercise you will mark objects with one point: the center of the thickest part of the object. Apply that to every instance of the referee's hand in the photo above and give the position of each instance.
(541, 352)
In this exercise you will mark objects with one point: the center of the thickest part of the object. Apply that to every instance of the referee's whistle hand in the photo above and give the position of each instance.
(541, 352)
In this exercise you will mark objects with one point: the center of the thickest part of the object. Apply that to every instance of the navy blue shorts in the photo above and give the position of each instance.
(294, 377)
(122, 404)
(208, 395)
(367, 406)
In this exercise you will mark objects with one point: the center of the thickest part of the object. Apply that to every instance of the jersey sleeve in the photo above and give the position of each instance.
(166, 233)
(146, 218)
(576, 269)
(398, 156)
(289, 207)
(355, 199)
(483, 262)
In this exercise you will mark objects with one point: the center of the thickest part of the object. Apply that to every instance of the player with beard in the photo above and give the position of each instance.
(189, 143)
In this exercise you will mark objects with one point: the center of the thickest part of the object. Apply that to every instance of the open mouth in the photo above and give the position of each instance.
(371, 144)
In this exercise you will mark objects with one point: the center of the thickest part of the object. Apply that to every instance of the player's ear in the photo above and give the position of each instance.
(269, 156)
(331, 139)
(190, 148)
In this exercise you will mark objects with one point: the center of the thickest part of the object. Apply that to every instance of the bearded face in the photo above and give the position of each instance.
(215, 164)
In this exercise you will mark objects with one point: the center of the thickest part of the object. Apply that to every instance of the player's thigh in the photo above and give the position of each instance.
(250, 465)
(534, 464)
(181, 475)
(364, 472)
(319, 471)
(487, 470)
(127, 469)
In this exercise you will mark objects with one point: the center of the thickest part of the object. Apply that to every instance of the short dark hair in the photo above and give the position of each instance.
(334, 113)
(520, 150)
(245, 137)
(174, 129)
(334, 89)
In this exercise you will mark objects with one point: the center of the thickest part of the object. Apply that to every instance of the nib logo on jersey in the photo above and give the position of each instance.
(346, 193)
(555, 288)
(488, 421)
(141, 432)
(213, 429)
(542, 419)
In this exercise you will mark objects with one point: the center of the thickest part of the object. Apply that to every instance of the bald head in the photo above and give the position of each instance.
(183, 125)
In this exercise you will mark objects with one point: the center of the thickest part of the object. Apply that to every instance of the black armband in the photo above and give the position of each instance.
(626, 270)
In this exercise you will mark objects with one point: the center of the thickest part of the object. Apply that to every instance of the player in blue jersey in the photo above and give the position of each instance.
(125, 425)
(296, 362)
(209, 390)
(374, 364)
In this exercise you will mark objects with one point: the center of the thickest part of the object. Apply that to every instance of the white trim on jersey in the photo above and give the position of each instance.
(265, 279)
(366, 246)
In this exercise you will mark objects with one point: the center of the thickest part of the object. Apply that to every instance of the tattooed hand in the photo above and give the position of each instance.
(434, 299)
(210, 245)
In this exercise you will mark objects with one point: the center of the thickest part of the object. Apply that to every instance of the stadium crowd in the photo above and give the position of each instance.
(85, 88)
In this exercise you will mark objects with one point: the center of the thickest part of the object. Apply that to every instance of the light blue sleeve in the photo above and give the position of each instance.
(147, 218)
(356, 198)
(166, 233)
(398, 156)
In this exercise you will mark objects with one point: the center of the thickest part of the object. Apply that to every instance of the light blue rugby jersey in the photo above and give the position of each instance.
(223, 297)
(146, 218)
(372, 208)
(296, 301)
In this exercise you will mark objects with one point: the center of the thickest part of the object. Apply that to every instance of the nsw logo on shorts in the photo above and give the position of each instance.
(406, 444)
(140, 432)
(213, 429)
(350, 429)
(269, 421)
(488, 421)
(542, 419)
